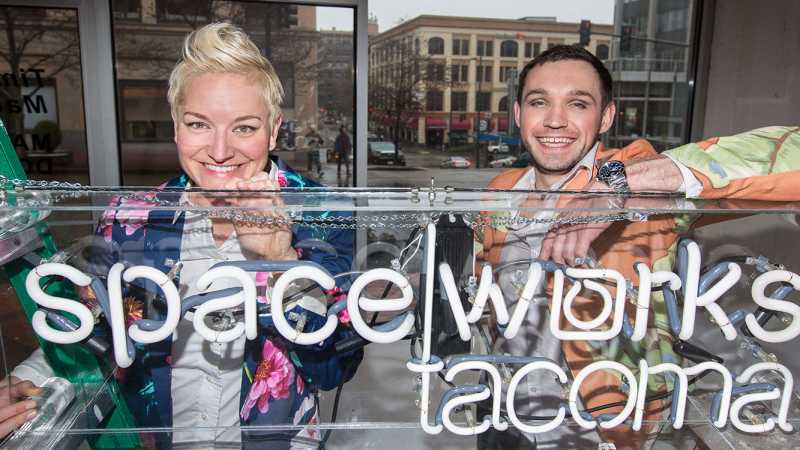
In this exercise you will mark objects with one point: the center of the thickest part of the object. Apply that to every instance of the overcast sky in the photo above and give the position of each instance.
(390, 12)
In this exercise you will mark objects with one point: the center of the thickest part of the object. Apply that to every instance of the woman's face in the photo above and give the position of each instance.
(222, 132)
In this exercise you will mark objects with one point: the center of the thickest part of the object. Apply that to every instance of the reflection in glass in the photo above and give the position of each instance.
(315, 67)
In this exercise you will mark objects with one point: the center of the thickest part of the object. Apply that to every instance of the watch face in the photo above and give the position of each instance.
(610, 171)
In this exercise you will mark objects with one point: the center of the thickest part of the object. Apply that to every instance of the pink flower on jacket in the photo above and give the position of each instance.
(129, 218)
(282, 181)
(274, 375)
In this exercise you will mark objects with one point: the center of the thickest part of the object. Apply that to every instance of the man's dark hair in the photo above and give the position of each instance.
(569, 53)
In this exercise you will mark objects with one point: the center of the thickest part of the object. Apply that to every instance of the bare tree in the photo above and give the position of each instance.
(34, 48)
(403, 87)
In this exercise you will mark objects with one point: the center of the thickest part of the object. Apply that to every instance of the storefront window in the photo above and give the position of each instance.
(311, 48)
(650, 80)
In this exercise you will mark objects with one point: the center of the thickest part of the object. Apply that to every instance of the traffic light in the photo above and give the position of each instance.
(585, 32)
(287, 16)
(625, 38)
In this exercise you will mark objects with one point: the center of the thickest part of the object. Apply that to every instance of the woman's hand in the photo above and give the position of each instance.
(271, 241)
(14, 411)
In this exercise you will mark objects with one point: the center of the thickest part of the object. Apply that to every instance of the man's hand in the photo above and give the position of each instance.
(13, 410)
(564, 243)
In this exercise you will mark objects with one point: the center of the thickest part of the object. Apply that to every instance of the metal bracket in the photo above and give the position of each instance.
(19, 245)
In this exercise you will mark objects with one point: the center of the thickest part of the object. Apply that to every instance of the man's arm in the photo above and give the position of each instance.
(655, 173)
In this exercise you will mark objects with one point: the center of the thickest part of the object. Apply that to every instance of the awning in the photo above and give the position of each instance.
(435, 123)
(502, 124)
(457, 124)
(412, 123)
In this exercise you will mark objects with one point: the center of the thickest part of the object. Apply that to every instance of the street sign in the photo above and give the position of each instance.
(483, 124)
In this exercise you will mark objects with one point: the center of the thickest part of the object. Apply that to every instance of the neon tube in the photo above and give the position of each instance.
(354, 299)
(39, 318)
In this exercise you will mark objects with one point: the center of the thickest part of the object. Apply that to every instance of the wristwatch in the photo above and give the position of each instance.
(612, 174)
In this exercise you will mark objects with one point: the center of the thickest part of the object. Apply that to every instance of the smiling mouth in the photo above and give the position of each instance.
(555, 141)
(220, 169)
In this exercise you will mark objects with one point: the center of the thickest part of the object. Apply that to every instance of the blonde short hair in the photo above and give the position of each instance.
(224, 48)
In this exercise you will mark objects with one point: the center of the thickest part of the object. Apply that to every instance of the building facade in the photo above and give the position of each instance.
(462, 67)
(651, 68)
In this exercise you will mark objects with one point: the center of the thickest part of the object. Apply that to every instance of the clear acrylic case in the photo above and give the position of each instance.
(414, 355)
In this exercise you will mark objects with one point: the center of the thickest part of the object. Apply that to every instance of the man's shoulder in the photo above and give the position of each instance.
(507, 179)
(636, 149)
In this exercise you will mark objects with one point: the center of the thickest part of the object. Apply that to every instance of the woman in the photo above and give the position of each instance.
(225, 100)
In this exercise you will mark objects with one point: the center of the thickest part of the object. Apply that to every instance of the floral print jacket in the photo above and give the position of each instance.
(279, 378)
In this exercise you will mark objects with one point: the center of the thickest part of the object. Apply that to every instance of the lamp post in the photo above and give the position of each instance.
(478, 81)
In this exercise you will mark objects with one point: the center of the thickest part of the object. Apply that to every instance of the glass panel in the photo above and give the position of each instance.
(41, 92)
(203, 339)
(311, 49)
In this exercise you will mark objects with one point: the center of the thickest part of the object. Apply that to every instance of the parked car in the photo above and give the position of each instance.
(498, 148)
(503, 162)
(456, 161)
(383, 152)
(524, 160)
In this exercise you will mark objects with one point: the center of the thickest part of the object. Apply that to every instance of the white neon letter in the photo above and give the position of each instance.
(512, 389)
(788, 389)
(116, 317)
(248, 296)
(535, 276)
(575, 389)
(647, 280)
(486, 289)
(354, 300)
(170, 295)
(727, 387)
(691, 300)
(497, 386)
(80, 311)
(759, 285)
(683, 386)
(618, 305)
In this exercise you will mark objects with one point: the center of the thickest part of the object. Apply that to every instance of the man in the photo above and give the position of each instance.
(341, 149)
(564, 106)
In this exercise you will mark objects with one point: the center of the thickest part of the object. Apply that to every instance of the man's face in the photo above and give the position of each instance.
(561, 115)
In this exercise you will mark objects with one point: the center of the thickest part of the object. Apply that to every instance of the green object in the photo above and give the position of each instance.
(46, 134)
(73, 362)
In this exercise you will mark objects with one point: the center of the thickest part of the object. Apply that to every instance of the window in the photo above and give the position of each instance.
(503, 106)
(532, 49)
(436, 46)
(126, 9)
(486, 48)
(314, 66)
(434, 101)
(461, 47)
(435, 72)
(144, 114)
(458, 73)
(602, 52)
(504, 73)
(483, 73)
(483, 101)
(458, 101)
(185, 11)
(508, 49)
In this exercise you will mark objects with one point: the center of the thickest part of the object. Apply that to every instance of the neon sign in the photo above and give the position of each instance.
(613, 309)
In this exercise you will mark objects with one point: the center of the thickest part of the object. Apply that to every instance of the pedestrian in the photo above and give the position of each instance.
(341, 149)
